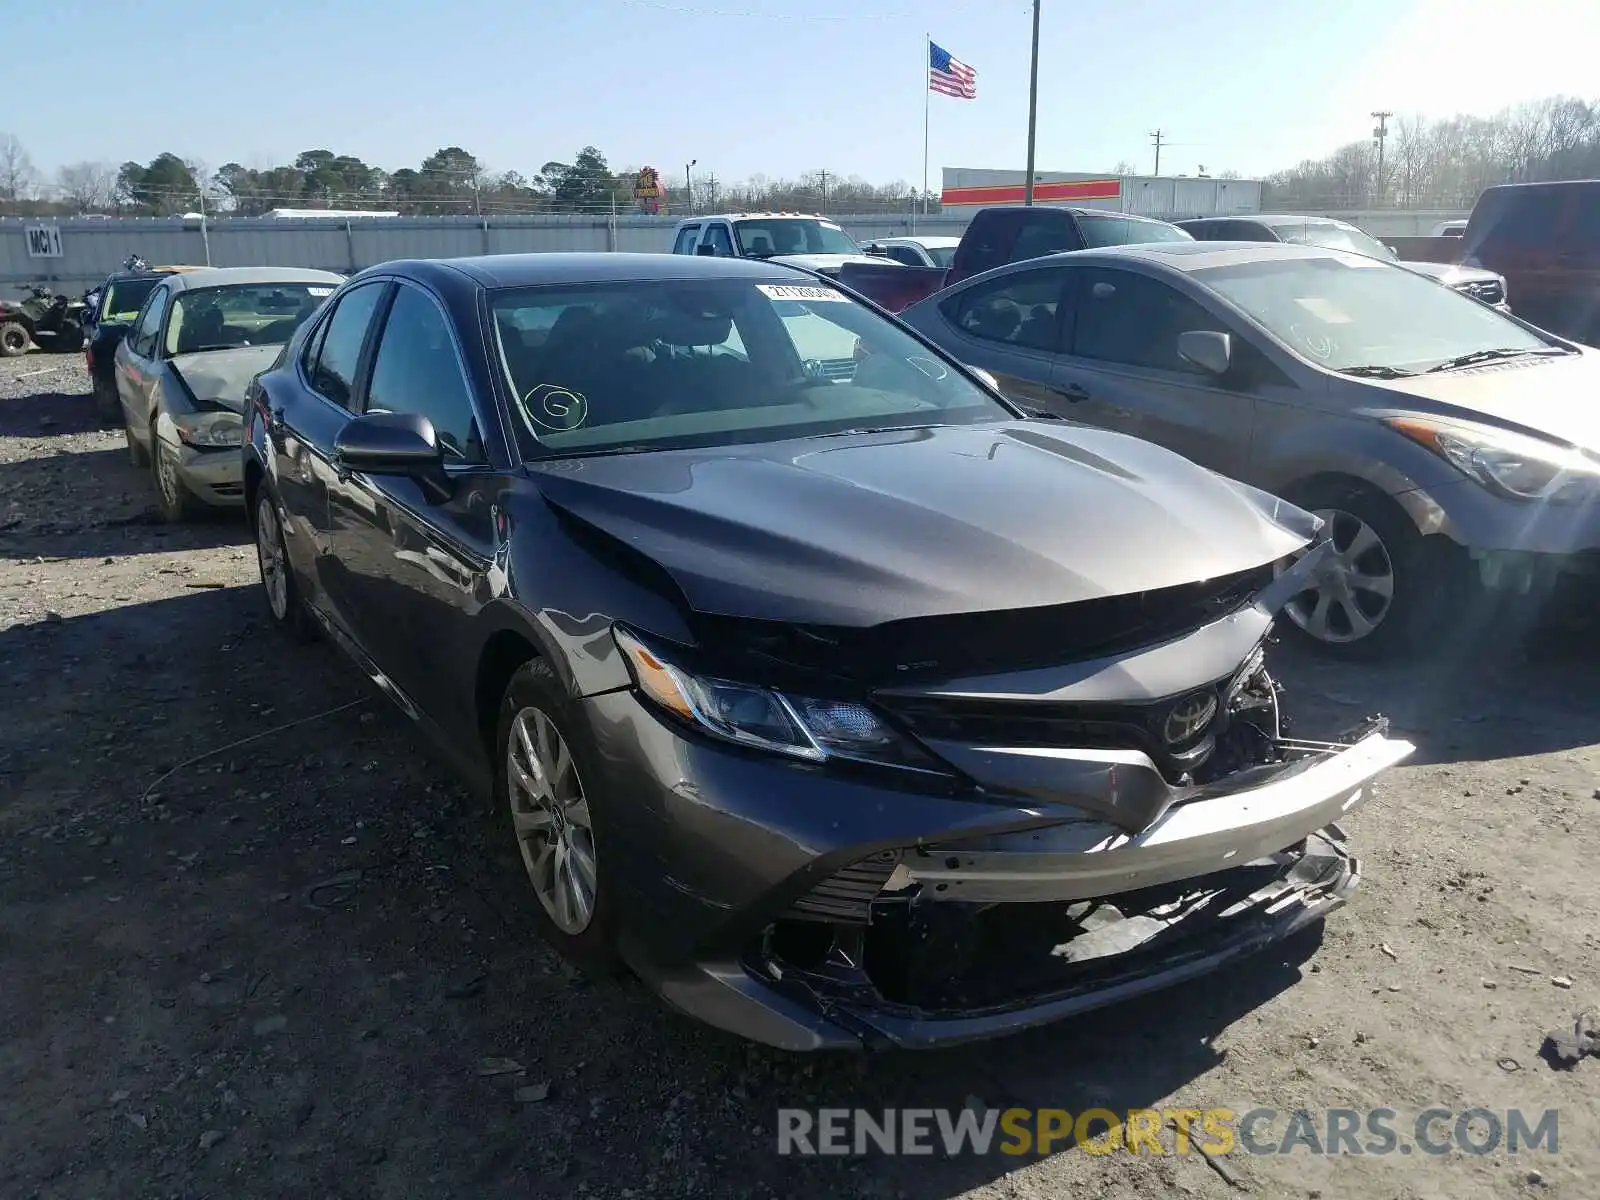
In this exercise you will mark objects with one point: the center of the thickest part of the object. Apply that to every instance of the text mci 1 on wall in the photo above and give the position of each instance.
(44, 241)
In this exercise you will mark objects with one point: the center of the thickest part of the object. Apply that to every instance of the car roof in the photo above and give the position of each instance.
(563, 267)
(918, 240)
(1197, 256)
(1271, 219)
(208, 277)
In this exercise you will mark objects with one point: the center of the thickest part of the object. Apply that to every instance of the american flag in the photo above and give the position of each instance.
(950, 76)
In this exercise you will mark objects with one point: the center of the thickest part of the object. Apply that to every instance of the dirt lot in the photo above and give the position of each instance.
(279, 971)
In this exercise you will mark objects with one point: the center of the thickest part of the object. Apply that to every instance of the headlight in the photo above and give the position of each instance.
(209, 430)
(1523, 468)
(763, 718)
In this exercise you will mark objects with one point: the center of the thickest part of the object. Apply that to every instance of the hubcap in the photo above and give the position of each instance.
(167, 473)
(1350, 593)
(550, 815)
(15, 339)
(269, 552)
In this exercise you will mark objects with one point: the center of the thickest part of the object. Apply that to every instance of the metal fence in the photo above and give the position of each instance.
(78, 253)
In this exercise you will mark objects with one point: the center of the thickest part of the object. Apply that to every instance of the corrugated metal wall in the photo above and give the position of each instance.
(1147, 195)
(93, 248)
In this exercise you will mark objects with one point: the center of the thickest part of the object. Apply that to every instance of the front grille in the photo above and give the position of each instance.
(1045, 724)
(847, 895)
(1489, 291)
(839, 370)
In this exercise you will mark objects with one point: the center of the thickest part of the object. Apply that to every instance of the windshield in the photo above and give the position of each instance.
(1331, 235)
(244, 314)
(791, 235)
(123, 300)
(1344, 312)
(679, 364)
(1126, 231)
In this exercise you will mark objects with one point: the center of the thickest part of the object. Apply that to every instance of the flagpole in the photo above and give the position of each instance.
(927, 93)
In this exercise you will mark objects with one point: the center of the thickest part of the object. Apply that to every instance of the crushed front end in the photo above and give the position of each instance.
(1079, 807)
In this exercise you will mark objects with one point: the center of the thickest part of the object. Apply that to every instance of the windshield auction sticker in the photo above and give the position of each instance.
(785, 291)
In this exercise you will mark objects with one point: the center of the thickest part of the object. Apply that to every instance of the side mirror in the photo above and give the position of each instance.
(706, 249)
(1207, 349)
(384, 443)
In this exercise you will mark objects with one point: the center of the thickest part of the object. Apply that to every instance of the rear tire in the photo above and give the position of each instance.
(107, 405)
(1387, 587)
(14, 339)
(285, 607)
(555, 851)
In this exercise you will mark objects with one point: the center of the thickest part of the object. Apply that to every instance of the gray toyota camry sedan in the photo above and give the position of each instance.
(807, 677)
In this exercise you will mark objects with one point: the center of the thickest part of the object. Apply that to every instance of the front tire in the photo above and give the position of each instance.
(548, 797)
(1385, 585)
(177, 503)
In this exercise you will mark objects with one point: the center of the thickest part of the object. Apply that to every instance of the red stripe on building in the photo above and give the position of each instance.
(1076, 189)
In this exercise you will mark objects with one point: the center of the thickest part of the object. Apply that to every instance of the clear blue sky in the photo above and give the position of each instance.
(775, 87)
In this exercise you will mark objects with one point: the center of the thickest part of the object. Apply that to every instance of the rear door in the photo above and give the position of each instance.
(1013, 327)
(409, 568)
(137, 364)
(306, 406)
(1122, 363)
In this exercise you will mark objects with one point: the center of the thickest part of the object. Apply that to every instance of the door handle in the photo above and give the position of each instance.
(1071, 392)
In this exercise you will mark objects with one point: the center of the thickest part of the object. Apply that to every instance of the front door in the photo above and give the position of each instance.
(1012, 327)
(1123, 367)
(136, 364)
(303, 418)
(413, 569)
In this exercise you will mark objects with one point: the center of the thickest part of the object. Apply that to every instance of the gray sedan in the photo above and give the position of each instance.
(1441, 439)
(182, 371)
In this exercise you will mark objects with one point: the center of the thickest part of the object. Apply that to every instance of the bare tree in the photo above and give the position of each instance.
(1124, 167)
(17, 176)
(88, 186)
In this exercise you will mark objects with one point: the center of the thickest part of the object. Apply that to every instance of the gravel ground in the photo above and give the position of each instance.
(283, 969)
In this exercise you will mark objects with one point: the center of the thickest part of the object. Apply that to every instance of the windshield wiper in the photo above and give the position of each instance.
(1376, 371)
(1472, 358)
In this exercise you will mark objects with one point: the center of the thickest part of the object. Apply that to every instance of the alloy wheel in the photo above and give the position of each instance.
(269, 553)
(1351, 593)
(550, 817)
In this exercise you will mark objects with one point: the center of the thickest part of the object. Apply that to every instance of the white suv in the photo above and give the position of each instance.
(795, 238)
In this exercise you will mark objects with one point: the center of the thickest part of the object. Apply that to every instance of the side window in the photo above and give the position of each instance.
(686, 238)
(1525, 220)
(904, 254)
(1023, 310)
(1135, 321)
(718, 238)
(1044, 233)
(417, 371)
(988, 241)
(143, 342)
(338, 343)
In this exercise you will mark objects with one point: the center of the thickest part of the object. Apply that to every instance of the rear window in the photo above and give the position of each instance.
(1124, 231)
(1519, 219)
(124, 299)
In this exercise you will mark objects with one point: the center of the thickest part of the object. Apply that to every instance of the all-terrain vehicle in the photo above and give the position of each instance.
(46, 319)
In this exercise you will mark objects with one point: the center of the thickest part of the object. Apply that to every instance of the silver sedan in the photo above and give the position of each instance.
(182, 371)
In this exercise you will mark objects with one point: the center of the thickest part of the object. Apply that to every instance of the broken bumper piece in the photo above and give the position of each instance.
(959, 941)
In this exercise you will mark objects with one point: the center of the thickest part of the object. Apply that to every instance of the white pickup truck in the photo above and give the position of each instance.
(800, 239)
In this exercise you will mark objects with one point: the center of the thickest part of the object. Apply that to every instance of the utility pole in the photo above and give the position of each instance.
(711, 190)
(1155, 136)
(688, 186)
(1380, 131)
(1033, 105)
(822, 184)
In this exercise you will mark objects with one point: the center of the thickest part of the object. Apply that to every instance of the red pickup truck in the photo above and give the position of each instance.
(997, 236)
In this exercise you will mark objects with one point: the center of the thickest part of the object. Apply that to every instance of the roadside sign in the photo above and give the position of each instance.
(44, 241)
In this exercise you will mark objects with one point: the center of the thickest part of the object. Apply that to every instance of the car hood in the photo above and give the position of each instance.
(223, 376)
(829, 263)
(859, 529)
(1556, 397)
(1450, 274)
